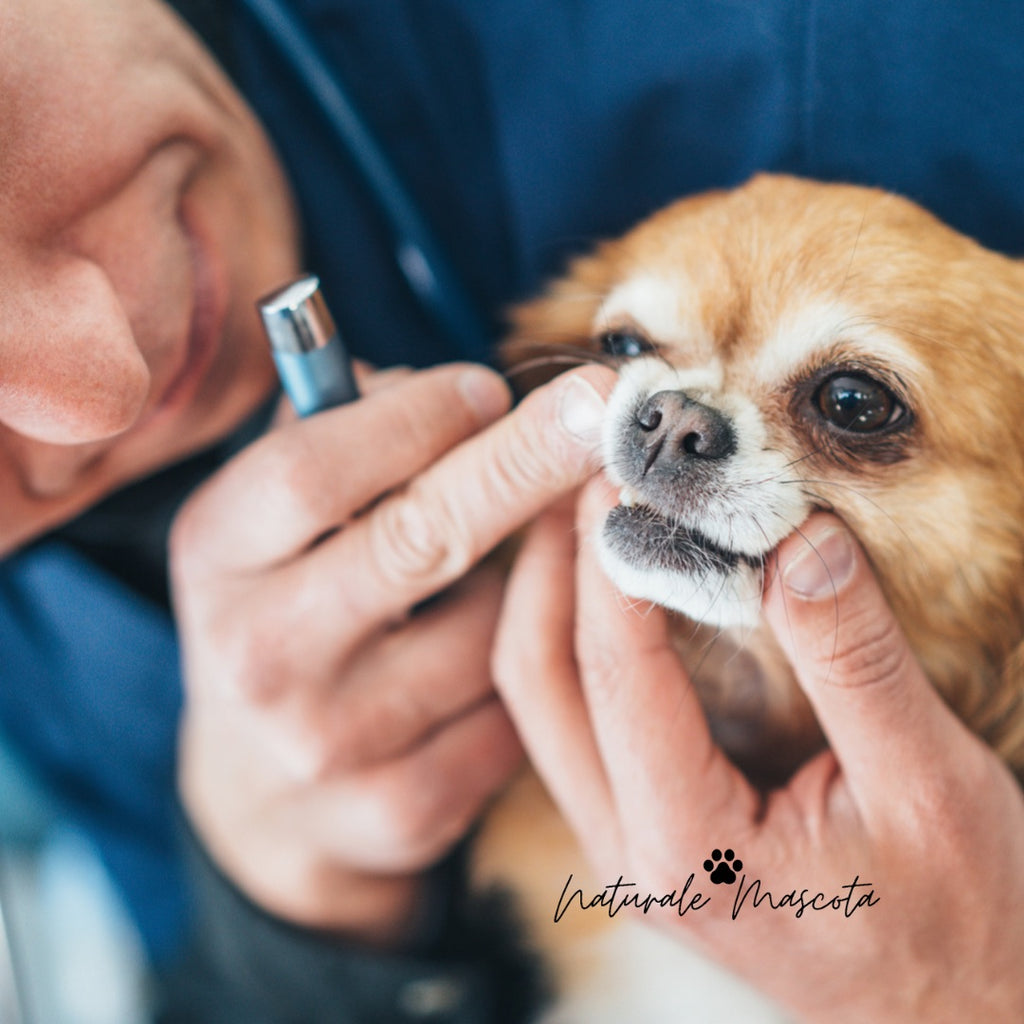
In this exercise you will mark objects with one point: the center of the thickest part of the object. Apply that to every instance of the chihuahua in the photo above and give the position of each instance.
(785, 347)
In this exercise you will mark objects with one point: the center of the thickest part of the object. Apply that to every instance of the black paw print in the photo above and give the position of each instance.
(723, 867)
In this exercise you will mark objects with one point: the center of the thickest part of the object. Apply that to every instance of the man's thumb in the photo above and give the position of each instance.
(849, 654)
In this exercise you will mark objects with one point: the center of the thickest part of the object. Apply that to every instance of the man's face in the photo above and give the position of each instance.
(142, 213)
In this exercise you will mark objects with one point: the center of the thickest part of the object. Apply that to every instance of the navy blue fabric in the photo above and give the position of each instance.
(90, 692)
(529, 129)
(526, 129)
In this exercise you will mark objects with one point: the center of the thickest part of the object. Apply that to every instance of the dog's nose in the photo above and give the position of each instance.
(671, 427)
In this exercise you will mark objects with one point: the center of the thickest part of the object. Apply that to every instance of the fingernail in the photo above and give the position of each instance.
(581, 410)
(823, 564)
(485, 393)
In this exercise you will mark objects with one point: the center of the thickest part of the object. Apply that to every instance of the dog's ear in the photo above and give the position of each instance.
(550, 333)
(1007, 707)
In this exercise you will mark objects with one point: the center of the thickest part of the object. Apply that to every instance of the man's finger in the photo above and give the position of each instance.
(535, 673)
(414, 679)
(881, 715)
(402, 814)
(353, 708)
(416, 542)
(307, 478)
(654, 739)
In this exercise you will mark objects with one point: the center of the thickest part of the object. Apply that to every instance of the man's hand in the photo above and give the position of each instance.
(341, 732)
(906, 799)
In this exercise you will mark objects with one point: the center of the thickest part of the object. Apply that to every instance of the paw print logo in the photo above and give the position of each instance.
(723, 867)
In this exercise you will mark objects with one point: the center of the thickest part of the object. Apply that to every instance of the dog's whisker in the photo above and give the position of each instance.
(552, 360)
(789, 465)
(863, 496)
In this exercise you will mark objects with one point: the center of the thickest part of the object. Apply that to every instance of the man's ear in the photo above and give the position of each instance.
(552, 333)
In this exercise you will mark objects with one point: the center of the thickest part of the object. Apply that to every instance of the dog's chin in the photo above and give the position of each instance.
(650, 557)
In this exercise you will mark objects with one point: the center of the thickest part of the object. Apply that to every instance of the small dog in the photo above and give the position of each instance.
(785, 347)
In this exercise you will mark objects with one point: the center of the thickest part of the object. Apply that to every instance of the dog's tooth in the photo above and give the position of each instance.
(628, 497)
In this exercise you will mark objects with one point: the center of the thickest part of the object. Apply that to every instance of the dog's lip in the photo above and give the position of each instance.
(643, 537)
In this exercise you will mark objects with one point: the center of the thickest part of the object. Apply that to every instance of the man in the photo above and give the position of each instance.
(327, 576)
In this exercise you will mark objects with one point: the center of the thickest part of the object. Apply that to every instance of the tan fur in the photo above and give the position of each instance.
(943, 525)
(945, 528)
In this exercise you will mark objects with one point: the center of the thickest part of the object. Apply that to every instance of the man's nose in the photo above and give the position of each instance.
(70, 370)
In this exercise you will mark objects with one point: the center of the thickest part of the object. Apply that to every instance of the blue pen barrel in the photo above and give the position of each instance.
(318, 379)
(314, 366)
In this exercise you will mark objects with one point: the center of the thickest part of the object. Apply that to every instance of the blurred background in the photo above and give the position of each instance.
(68, 953)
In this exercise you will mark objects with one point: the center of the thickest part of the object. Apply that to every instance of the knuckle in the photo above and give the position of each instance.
(528, 464)
(412, 820)
(911, 826)
(427, 409)
(422, 414)
(415, 537)
(307, 745)
(382, 729)
(951, 796)
(294, 485)
(298, 472)
(425, 814)
(870, 651)
(253, 661)
(250, 650)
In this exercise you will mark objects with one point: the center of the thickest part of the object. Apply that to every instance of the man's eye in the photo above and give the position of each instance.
(857, 404)
(624, 344)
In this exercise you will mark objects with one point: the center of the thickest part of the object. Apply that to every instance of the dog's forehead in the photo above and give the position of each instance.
(815, 329)
(666, 308)
(669, 311)
(767, 341)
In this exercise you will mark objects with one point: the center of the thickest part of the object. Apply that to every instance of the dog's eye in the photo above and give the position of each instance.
(857, 404)
(624, 343)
